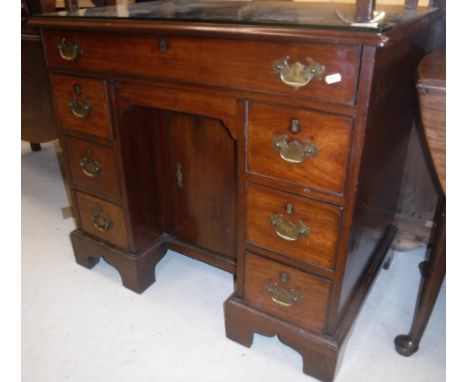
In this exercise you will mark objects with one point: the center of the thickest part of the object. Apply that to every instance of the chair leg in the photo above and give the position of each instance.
(431, 282)
(35, 146)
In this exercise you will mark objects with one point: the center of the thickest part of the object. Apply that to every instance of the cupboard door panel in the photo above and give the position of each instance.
(203, 183)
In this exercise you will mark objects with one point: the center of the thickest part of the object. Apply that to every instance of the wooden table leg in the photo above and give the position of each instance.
(429, 290)
(35, 146)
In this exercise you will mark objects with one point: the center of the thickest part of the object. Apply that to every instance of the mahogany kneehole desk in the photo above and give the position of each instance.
(272, 152)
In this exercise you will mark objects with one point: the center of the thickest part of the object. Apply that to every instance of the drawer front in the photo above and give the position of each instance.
(293, 226)
(92, 166)
(253, 65)
(299, 146)
(289, 294)
(102, 219)
(81, 104)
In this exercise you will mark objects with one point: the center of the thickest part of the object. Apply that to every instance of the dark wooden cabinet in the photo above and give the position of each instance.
(203, 166)
(37, 117)
(274, 152)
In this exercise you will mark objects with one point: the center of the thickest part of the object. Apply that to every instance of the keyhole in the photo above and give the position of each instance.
(294, 126)
(77, 89)
(163, 45)
(284, 277)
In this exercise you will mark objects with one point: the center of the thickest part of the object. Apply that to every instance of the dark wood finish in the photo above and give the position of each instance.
(181, 99)
(139, 55)
(310, 313)
(332, 134)
(89, 205)
(431, 283)
(319, 354)
(203, 203)
(242, 122)
(383, 155)
(39, 6)
(431, 86)
(137, 272)
(201, 216)
(37, 118)
(318, 248)
(296, 188)
(258, 32)
(297, 262)
(107, 180)
(91, 91)
(212, 258)
(419, 194)
(141, 137)
(381, 252)
(205, 109)
(35, 146)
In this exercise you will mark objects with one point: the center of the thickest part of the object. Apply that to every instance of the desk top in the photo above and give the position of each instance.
(335, 16)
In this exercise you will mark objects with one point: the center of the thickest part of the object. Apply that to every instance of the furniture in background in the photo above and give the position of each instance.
(417, 204)
(37, 118)
(248, 138)
(431, 87)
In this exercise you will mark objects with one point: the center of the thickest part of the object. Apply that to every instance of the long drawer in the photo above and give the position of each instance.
(320, 71)
(293, 226)
(285, 292)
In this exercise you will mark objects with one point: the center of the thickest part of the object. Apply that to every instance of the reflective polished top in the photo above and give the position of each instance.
(271, 13)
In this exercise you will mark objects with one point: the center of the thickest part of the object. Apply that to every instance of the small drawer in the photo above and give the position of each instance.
(293, 226)
(81, 105)
(294, 296)
(299, 146)
(92, 166)
(102, 219)
(265, 66)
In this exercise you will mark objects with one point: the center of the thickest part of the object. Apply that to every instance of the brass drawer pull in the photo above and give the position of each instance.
(297, 75)
(101, 222)
(289, 230)
(294, 151)
(69, 51)
(90, 167)
(282, 296)
(80, 109)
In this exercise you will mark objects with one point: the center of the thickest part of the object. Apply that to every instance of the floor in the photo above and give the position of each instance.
(81, 325)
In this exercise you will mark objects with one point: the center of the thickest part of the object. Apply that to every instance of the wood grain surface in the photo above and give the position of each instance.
(92, 92)
(432, 89)
(309, 314)
(107, 181)
(88, 205)
(318, 248)
(330, 133)
(246, 64)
